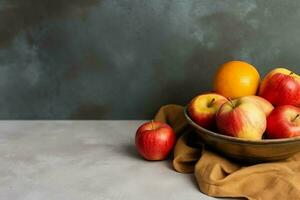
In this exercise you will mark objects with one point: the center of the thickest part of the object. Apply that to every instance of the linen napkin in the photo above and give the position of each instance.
(218, 176)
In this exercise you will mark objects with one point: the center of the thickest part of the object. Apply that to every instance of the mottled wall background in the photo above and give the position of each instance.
(108, 59)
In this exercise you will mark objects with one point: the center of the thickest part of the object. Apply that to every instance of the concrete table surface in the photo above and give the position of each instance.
(86, 160)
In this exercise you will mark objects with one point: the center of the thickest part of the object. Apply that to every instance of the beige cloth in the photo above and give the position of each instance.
(219, 177)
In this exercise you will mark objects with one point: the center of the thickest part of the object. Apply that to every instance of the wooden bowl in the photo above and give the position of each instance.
(250, 151)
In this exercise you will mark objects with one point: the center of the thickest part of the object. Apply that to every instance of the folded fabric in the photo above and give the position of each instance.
(219, 177)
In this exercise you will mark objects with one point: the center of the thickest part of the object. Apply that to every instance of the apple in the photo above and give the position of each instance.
(284, 122)
(203, 108)
(265, 105)
(241, 118)
(154, 140)
(281, 87)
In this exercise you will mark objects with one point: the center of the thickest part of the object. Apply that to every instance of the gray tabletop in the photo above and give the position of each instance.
(88, 160)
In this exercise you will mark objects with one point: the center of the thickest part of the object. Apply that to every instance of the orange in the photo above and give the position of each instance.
(236, 79)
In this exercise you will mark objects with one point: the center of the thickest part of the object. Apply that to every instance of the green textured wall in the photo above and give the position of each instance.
(107, 59)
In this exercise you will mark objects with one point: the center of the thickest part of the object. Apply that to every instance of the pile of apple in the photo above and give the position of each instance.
(241, 107)
(272, 113)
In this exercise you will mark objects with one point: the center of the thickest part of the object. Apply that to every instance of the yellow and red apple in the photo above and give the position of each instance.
(265, 105)
(203, 108)
(284, 122)
(281, 87)
(241, 118)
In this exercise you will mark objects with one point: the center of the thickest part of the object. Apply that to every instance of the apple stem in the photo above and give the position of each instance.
(291, 73)
(152, 124)
(296, 117)
(211, 102)
(230, 101)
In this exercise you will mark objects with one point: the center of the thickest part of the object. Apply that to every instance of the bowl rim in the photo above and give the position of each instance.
(238, 140)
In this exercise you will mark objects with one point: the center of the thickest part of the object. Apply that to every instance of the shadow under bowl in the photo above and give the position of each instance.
(250, 151)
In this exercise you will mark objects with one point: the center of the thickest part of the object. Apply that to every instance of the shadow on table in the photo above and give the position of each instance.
(193, 180)
(130, 150)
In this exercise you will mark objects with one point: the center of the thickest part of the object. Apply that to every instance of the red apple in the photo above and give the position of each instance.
(284, 122)
(265, 105)
(203, 108)
(154, 140)
(281, 87)
(241, 118)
